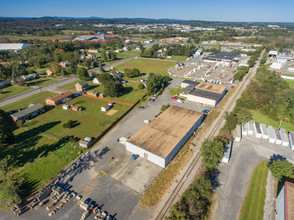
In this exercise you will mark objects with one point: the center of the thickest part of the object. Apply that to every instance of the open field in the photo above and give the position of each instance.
(147, 66)
(13, 90)
(38, 70)
(253, 203)
(75, 32)
(257, 116)
(178, 58)
(88, 123)
(290, 82)
(41, 81)
(31, 37)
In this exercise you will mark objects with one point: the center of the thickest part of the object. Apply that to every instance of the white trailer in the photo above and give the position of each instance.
(291, 138)
(264, 131)
(278, 136)
(271, 134)
(284, 136)
(244, 129)
(238, 133)
(227, 153)
(250, 127)
(257, 129)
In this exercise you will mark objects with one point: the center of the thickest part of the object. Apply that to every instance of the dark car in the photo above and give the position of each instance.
(92, 203)
(151, 100)
(141, 106)
(87, 201)
(205, 111)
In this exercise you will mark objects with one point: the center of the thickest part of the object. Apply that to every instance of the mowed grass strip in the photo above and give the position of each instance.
(261, 118)
(13, 90)
(147, 66)
(253, 204)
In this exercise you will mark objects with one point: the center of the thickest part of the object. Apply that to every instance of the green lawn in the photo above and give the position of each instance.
(147, 66)
(23, 103)
(38, 70)
(41, 81)
(34, 37)
(13, 90)
(175, 91)
(257, 116)
(252, 207)
(290, 82)
(178, 58)
(287, 74)
(127, 54)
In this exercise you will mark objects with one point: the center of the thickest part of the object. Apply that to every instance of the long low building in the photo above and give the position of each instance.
(60, 99)
(13, 46)
(162, 138)
(226, 57)
(205, 93)
(31, 111)
(285, 203)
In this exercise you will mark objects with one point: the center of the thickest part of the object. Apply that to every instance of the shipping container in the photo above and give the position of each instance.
(284, 135)
(271, 134)
(244, 129)
(291, 138)
(238, 133)
(278, 136)
(227, 153)
(264, 131)
(250, 127)
(257, 129)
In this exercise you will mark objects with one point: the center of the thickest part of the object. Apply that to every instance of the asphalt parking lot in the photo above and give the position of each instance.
(233, 179)
(107, 174)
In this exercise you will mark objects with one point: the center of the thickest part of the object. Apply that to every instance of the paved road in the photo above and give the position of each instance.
(49, 87)
(234, 177)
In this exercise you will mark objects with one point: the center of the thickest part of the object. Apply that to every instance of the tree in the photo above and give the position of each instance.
(135, 72)
(231, 121)
(103, 78)
(280, 168)
(6, 129)
(212, 150)
(164, 107)
(140, 86)
(69, 124)
(3, 73)
(82, 73)
(101, 67)
(128, 72)
(243, 115)
(104, 56)
(156, 82)
(112, 89)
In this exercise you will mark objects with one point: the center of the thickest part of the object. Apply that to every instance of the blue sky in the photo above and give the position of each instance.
(211, 10)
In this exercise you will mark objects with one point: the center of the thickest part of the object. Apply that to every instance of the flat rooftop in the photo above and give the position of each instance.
(206, 94)
(222, 56)
(211, 87)
(290, 198)
(162, 134)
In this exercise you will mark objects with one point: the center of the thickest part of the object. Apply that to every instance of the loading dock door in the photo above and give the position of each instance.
(146, 156)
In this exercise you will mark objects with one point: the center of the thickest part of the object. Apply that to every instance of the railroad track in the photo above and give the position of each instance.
(214, 129)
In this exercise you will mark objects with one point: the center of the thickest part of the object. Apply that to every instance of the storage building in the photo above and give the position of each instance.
(278, 136)
(238, 133)
(291, 139)
(163, 137)
(226, 57)
(227, 153)
(285, 202)
(13, 46)
(284, 135)
(257, 129)
(244, 129)
(250, 127)
(271, 134)
(264, 131)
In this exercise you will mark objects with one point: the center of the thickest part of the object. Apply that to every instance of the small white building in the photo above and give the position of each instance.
(264, 131)
(271, 134)
(279, 139)
(276, 65)
(250, 127)
(13, 46)
(238, 133)
(96, 81)
(65, 107)
(105, 108)
(257, 129)
(284, 135)
(291, 139)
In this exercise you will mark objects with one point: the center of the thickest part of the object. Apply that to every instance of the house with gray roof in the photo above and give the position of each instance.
(32, 111)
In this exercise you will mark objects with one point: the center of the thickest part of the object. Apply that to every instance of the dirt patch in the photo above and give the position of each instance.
(111, 112)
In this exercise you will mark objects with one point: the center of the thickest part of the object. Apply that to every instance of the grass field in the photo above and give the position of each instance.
(175, 91)
(178, 58)
(252, 207)
(290, 82)
(13, 90)
(31, 37)
(256, 116)
(147, 66)
(287, 74)
(41, 81)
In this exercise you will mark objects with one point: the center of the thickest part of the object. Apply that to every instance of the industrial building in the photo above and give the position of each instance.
(285, 202)
(205, 93)
(13, 46)
(225, 57)
(161, 139)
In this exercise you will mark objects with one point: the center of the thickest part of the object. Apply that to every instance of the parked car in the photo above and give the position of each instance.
(87, 201)
(147, 121)
(135, 156)
(180, 100)
(151, 99)
(141, 106)
(174, 97)
(205, 111)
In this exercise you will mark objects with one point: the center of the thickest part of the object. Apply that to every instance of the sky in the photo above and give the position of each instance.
(208, 10)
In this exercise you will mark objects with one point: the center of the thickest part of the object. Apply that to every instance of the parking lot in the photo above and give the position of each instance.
(195, 68)
(107, 174)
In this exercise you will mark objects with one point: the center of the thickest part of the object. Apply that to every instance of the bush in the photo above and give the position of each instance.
(69, 124)
(281, 168)
(140, 86)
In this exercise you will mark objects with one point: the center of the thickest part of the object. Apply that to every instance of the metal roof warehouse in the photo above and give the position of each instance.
(222, 56)
(160, 140)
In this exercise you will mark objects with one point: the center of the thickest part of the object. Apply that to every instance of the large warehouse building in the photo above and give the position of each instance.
(161, 139)
(225, 57)
(205, 93)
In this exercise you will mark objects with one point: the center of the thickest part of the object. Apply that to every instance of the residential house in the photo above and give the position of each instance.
(75, 108)
(66, 107)
(86, 142)
(49, 73)
(32, 111)
(30, 77)
(117, 75)
(4, 84)
(59, 99)
(64, 64)
(82, 86)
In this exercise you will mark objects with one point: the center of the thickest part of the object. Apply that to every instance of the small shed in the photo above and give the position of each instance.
(49, 73)
(75, 108)
(104, 108)
(92, 93)
(244, 129)
(110, 104)
(271, 134)
(238, 133)
(65, 107)
(227, 153)
(284, 135)
(83, 143)
(278, 136)
(264, 131)
(291, 139)
(257, 129)
(250, 127)
(96, 81)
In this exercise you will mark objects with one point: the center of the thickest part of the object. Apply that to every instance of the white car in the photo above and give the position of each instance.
(147, 121)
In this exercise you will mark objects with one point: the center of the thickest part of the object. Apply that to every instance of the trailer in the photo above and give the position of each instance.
(284, 135)
(271, 134)
(291, 139)
(244, 129)
(238, 135)
(257, 129)
(278, 136)
(250, 127)
(227, 153)
(264, 131)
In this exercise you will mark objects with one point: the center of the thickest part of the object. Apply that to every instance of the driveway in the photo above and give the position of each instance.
(234, 177)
